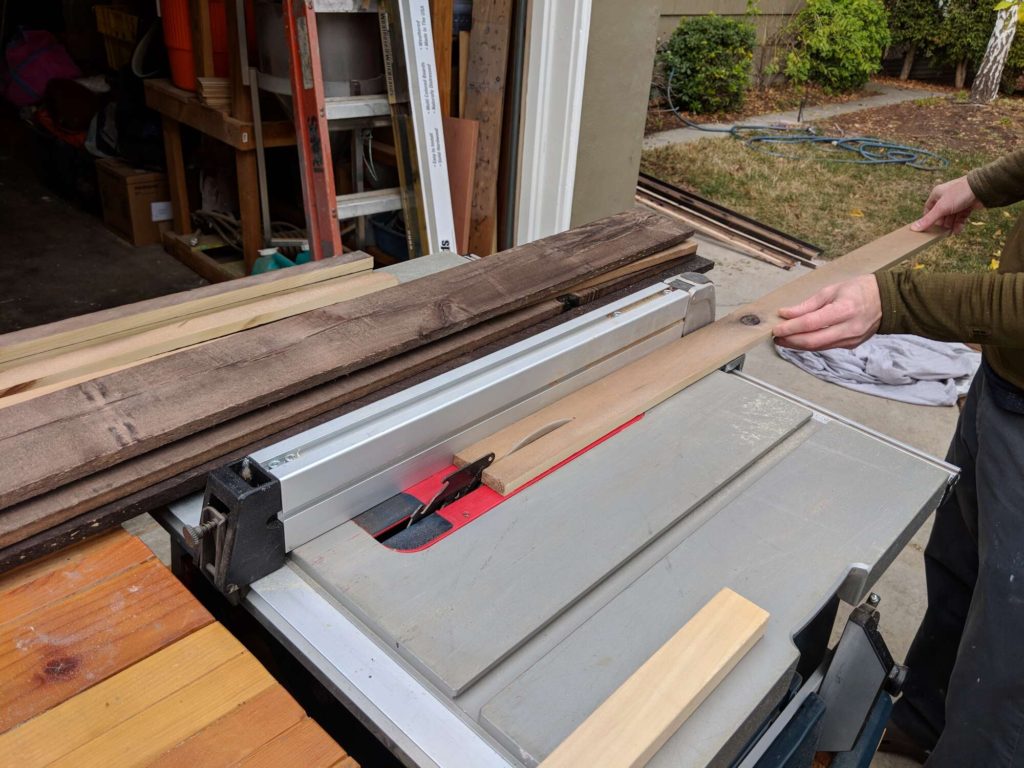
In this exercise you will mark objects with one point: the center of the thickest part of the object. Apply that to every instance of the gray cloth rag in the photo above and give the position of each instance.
(900, 367)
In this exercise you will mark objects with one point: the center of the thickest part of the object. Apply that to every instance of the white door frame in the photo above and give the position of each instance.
(556, 65)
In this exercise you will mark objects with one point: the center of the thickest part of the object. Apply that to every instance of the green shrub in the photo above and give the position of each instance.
(838, 44)
(914, 23)
(965, 29)
(708, 60)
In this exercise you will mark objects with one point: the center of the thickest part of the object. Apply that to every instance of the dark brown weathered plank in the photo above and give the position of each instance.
(66, 435)
(485, 102)
(124, 490)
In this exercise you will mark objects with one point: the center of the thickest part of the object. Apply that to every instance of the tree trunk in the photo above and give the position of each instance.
(908, 62)
(961, 74)
(986, 82)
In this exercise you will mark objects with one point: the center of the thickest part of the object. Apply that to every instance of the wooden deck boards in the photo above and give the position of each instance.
(105, 659)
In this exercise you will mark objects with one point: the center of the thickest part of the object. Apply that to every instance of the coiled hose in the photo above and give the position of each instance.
(865, 150)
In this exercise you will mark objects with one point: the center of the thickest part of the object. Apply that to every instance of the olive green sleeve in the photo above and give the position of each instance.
(1001, 182)
(986, 308)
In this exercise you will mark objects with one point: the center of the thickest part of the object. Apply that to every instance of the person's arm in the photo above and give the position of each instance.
(999, 183)
(984, 308)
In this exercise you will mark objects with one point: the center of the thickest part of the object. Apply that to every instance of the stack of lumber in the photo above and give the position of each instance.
(51, 357)
(215, 92)
(140, 433)
(108, 660)
(740, 232)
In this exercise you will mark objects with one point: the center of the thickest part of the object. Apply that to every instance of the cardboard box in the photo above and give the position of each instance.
(136, 203)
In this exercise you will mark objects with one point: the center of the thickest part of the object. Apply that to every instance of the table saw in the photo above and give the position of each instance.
(469, 629)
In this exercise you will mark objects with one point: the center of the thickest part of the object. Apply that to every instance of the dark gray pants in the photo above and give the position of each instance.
(964, 698)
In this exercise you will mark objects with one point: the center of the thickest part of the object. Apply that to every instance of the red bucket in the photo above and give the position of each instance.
(177, 20)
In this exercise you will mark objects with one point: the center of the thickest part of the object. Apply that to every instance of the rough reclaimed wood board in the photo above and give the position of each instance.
(146, 343)
(635, 722)
(84, 329)
(179, 698)
(639, 267)
(485, 101)
(597, 409)
(69, 434)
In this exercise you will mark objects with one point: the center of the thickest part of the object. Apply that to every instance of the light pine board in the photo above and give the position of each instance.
(634, 722)
(7, 401)
(81, 719)
(142, 344)
(597, 409)
(82, 330)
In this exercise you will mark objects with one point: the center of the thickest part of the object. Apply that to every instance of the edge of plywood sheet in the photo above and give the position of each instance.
(597, 409)
(460, 138)
(632, 724)
(184, 333)
(84, 329)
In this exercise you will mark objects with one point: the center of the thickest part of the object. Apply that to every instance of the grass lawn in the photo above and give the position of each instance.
(840, 206)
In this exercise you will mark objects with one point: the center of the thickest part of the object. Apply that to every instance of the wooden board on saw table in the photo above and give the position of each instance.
(184, 332)
(68, 434)
(83, 330)
(635, 722)
(597, 409)
(87, 682)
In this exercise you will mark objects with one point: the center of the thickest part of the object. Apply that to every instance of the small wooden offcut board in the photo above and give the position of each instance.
(106, 659)
(635, 722)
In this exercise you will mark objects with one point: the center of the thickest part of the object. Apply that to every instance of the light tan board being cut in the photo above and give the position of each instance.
(635, 722)
(76, 332)
(597, 409)
(194, 330)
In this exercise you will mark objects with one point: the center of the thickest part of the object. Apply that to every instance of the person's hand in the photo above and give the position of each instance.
(949, 205)
(840, 315)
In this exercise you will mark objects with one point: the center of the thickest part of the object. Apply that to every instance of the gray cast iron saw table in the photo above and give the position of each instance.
(484, 633)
